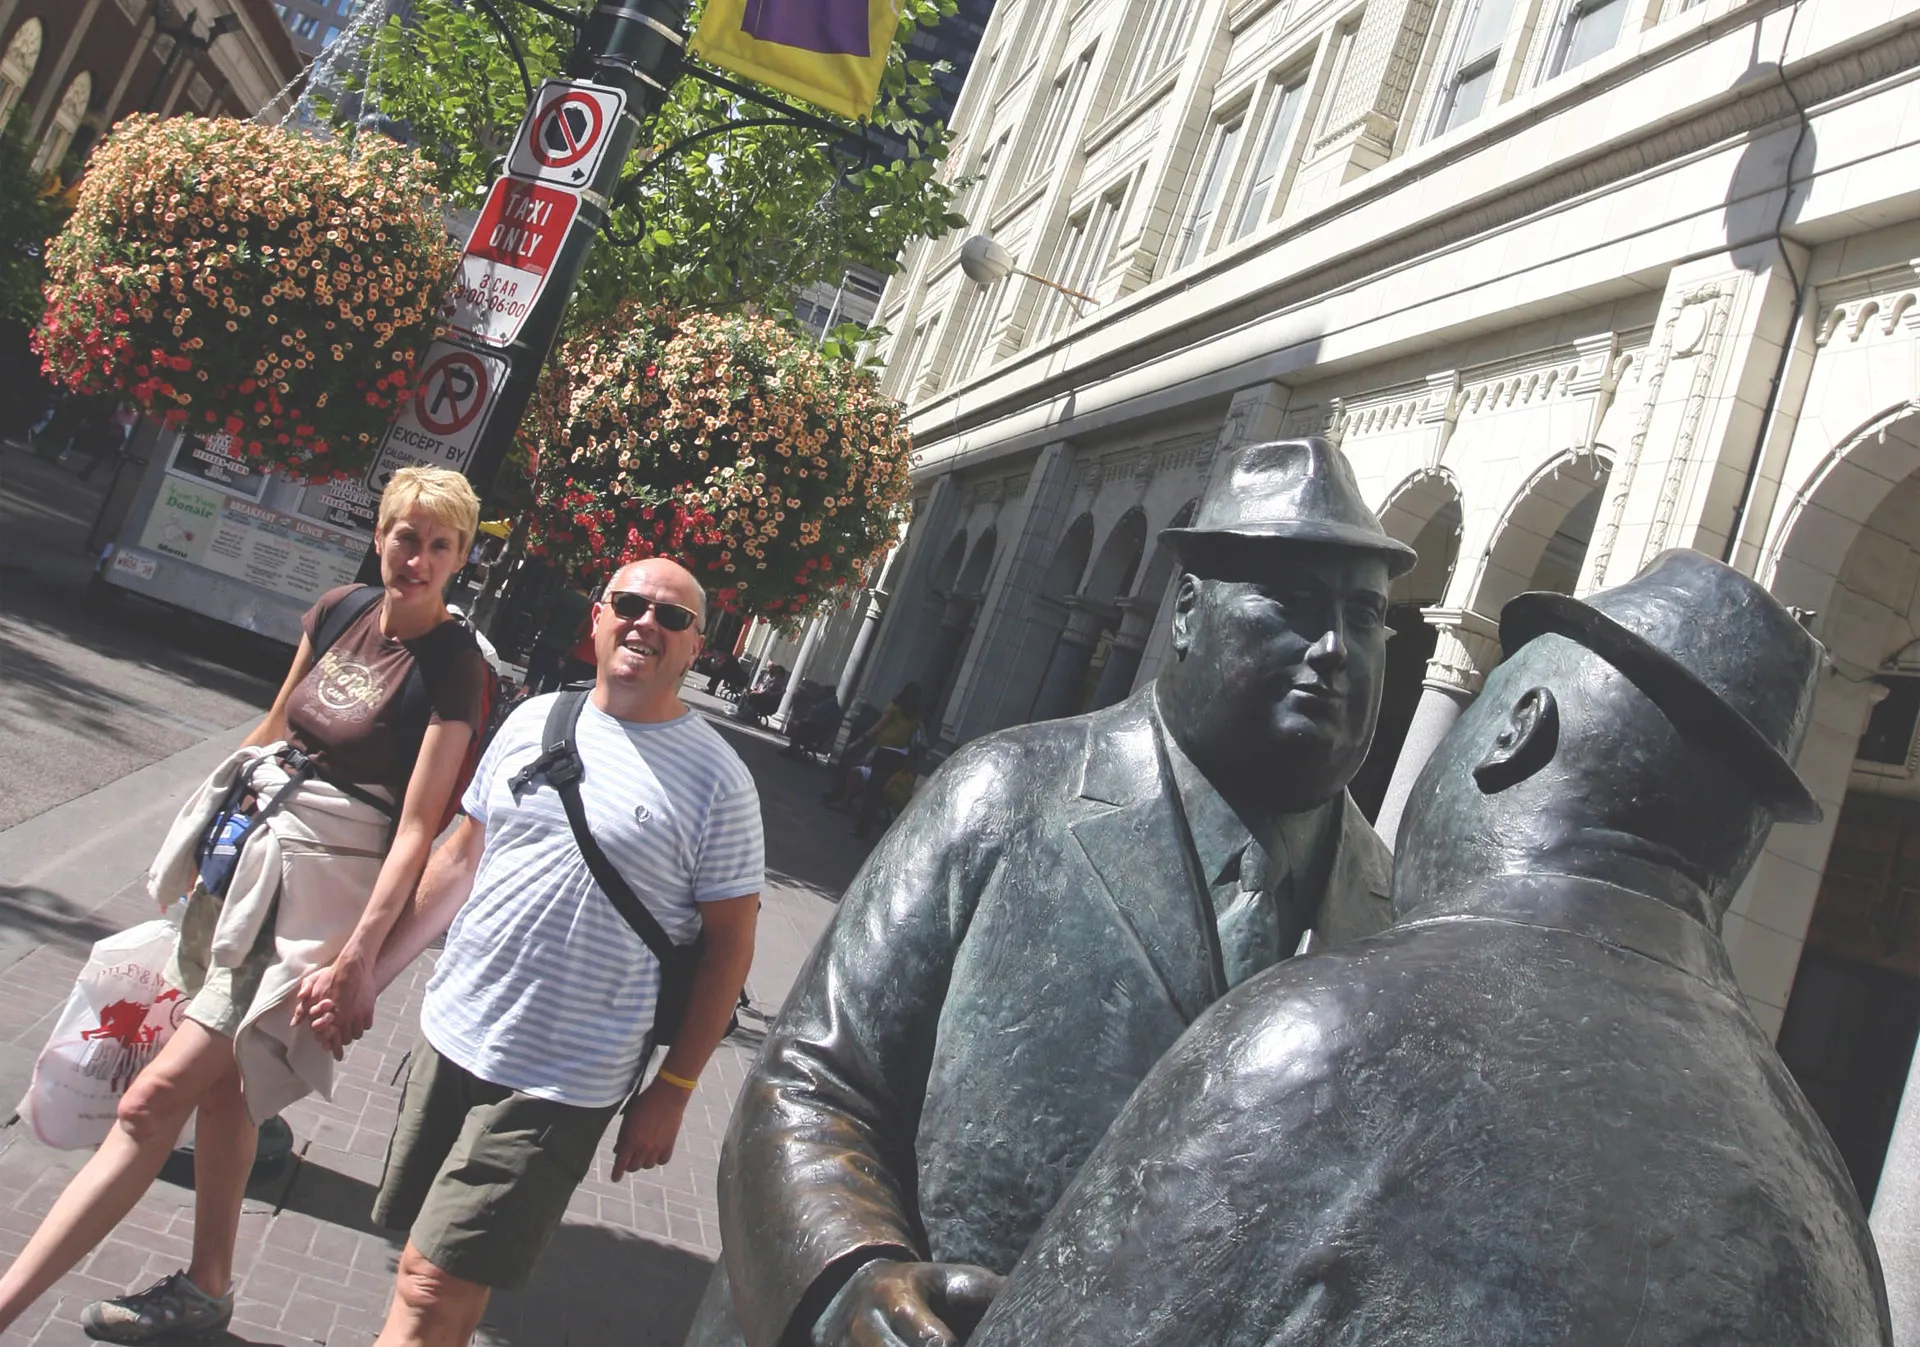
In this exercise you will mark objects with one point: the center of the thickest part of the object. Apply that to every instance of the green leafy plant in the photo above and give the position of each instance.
(243, 279)
(776, 474)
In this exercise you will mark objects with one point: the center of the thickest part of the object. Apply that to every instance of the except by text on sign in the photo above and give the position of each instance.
(441, 423)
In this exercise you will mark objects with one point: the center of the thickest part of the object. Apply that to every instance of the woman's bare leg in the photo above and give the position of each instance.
(223, 1148)
(152, 1113)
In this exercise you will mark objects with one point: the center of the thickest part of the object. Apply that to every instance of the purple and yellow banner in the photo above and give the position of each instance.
(829, 52)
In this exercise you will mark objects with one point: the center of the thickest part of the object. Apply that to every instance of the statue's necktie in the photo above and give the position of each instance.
(1257, 923)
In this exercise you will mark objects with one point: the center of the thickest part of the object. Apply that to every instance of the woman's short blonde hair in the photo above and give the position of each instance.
(441, 492)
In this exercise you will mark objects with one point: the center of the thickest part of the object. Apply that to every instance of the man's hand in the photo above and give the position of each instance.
(337, 1001)
(648, 1130)
(888, 1304)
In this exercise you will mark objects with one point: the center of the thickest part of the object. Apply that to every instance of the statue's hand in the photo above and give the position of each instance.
(887, 1304)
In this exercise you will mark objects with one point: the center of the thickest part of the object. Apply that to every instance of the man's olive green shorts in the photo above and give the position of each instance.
(479, 1175)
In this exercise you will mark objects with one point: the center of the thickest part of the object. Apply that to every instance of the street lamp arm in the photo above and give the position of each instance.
(1055, 285)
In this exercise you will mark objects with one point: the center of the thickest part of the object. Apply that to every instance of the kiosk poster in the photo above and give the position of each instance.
(238, 538)
(206, 458)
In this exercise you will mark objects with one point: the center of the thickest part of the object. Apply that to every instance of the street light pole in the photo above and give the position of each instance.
(635, 46)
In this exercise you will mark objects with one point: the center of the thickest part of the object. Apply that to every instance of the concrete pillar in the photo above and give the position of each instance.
(1067, 671)
(1031, 534)
(808, 644)
(862, 642)
(1468, 648)
(1129, 644)
(911, 611)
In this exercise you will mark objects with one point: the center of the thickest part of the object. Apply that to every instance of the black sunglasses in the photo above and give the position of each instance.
(631, 607)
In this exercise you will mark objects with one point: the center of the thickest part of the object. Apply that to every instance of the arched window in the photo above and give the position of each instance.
(66, 121)
(16, 66)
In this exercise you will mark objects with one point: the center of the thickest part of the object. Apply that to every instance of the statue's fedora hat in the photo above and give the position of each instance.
(1289, 493)
(1733, 670)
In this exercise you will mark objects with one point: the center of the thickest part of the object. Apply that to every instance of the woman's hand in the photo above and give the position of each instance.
(337, 1003)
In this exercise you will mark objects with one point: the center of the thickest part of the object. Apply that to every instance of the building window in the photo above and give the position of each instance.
(966, 351)
(1269, 154)
(1197, 238)
(66, 121)
(135, 10)
(978, 190)
(1083, 257)
(17, 63)
(1587, 28)
(1168, 29)
(1476, 52)
(1063, 103)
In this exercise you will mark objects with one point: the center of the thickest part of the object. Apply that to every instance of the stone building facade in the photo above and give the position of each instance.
(1570, 282)
(70, 68)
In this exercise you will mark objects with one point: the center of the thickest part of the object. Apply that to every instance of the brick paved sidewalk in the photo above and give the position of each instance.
(628, 1266)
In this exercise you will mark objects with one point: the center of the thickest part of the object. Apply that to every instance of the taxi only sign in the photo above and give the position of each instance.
(505, 267)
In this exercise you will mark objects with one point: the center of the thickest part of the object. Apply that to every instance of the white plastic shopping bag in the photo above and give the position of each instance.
(119, 1014)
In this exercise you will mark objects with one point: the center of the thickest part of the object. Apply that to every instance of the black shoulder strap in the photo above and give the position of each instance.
(348, 610)
(559, 763)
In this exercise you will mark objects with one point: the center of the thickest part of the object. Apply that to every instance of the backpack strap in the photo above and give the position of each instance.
(560, 766)
(347, 610)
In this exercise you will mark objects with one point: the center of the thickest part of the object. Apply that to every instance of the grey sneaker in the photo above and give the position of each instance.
(172, 1306)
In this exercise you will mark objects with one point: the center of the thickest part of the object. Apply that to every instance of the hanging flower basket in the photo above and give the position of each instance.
(227, 276)
(777, 475)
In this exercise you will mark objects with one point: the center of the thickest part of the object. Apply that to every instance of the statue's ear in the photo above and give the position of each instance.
(1186, 599)
(1525, 744)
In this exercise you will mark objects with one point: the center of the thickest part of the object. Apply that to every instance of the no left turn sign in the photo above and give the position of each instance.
(566, 133)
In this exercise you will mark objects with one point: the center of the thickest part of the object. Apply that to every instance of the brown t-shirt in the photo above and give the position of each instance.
(344, 711)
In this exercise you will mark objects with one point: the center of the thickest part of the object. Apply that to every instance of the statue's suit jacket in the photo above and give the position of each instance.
(1020, 949)
(1541, 1116)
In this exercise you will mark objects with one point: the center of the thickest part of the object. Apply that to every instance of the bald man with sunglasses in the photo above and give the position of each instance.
(536, 1024)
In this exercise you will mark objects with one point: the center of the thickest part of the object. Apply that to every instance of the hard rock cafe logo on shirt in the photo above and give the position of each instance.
(347, 687)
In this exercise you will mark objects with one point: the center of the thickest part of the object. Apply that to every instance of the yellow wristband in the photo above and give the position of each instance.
(672, 1079)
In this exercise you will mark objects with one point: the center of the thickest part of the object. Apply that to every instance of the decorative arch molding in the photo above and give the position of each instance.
(942, 577)
(1532, 517)
(65, 122)
(1820, 525)
(17, 64)
(1118, 566)
(1069, 560)
(1427, 512)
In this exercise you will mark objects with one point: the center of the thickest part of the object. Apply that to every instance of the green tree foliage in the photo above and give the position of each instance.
(737, 220)
(31, 213)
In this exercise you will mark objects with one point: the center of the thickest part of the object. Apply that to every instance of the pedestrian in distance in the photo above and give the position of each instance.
(336, 797)
(548, 1000)
(879, 752)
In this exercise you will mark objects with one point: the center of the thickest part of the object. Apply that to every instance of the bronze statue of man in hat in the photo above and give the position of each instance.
(1053, 910)
(1537, 1110)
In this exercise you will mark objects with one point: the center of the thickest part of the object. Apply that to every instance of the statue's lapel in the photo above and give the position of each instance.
(1140, 851)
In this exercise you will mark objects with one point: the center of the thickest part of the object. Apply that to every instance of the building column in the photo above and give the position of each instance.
(1468, 648)
(1072, 653)
(911, 612)
(1032, 534)
(808, 644)
(1129, 644)
(1896, 1217)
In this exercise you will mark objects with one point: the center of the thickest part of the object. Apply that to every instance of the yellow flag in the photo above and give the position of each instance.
(829, 52)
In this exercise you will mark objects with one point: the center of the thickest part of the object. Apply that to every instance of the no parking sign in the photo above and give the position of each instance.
(441, 423)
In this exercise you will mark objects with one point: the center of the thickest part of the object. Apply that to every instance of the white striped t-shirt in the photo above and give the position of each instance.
(543, 986)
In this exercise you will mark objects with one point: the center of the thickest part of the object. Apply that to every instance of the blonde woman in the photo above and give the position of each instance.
(341, 791)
